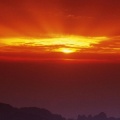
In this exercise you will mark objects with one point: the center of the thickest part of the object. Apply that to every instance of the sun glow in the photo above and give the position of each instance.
(66, 50)
(65, 44)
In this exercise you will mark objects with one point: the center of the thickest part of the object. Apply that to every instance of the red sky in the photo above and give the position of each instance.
(54, 26)
(63, 55)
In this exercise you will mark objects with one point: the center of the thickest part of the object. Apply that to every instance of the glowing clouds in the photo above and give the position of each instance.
(66, 44)
(78, 47)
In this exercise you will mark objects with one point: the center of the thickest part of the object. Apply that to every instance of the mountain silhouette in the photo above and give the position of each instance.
(8, 112)
(100, 116)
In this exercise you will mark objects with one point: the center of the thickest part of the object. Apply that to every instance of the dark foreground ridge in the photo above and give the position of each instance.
(7, 112)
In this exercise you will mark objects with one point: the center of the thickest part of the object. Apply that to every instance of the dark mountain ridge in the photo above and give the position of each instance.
(7, 112)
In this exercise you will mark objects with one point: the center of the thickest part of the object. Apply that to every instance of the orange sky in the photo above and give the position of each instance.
(86, 29)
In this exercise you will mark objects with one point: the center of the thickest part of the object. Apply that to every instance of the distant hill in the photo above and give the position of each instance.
(7, 112)
(100, 116)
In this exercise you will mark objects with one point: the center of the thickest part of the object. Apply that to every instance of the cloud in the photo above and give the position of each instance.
(81, 44)
(109, 46)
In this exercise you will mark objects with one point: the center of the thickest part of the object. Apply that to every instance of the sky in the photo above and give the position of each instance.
(59, 26)
(63, 55)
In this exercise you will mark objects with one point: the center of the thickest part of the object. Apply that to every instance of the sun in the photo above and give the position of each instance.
(67, 50)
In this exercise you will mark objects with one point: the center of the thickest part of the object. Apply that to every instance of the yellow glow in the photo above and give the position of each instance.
(66, 50)
(79, 41)
(66, 44)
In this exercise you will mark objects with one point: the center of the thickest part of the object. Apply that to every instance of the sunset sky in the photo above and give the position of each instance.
(52, 27)
(63, 55)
